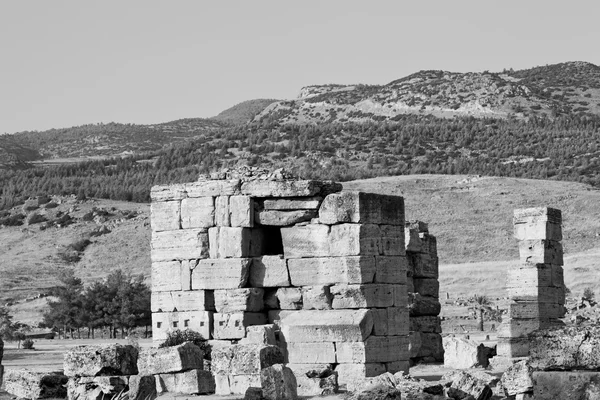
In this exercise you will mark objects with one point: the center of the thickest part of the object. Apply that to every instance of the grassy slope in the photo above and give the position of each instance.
(471, 217)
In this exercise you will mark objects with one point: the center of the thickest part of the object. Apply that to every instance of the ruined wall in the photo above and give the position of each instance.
(423, 294)
(328, 268)
(536, 284)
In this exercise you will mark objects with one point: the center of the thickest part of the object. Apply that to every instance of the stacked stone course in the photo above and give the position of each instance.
(536, 285)
(231, 256)
(423, 294)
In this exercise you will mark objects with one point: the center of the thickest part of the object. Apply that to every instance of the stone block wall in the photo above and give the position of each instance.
(329, 268)
(535, 285)
(423, 294)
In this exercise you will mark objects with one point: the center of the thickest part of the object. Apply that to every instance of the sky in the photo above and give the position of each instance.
(66, 63)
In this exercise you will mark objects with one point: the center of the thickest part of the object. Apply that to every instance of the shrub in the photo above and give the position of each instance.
(28, 344)
(49, 336)
(177, 337)
(80, 245)
(36, 218)
(15, 220)
(588, 294)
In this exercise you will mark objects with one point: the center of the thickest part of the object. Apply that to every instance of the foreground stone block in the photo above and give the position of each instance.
(167, 276)
(362, 296)
(316, 298)
(165, 216)
(245, 359)
(235, 384)
(423, 265)
(231, 273)
(168, 192)
(565, 348)
(234, 242)
(195, 381)
(572, 385)
(34, 385)
(464, 384)
(260, 334)
(233, 325)
(427, 287)
(327, 325)
(241, 210)
(537, 223)
(541, 251)
(142, 387)
(199, 321)
(518, 378)
(533, 276)
(390, 269)
(182, 301)
(85, 388)
(359, 207)
(460, 353)
(352, 376)
(278, 383)
(431, 349)
(197, 212)
(282, 188)
(366, 239)
(428, 323)
(315, 379)
(269, 271)
(106, 360)
(170, 359)
(234, 300)
(185, 244)
(525, 310)
(289, 298)
(331, 270)
(299, 203)
(213, 188)
(311, 353)
(305, 241)
(423, 305)
(283, 218)
(374, 350)
(542, 294)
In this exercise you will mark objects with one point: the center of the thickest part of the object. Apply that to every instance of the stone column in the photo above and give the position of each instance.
(535, 285)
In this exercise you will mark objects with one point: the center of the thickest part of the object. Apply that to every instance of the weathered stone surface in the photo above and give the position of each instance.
(299, 203)
(289, 298)
(233, 325)
(282, 188)
(182, 301)
(231, 273)
(165, 216)
(461, 353)
(241, 210)
(311, 353)
(414, 344)
(316, 298)
(377, 392)
(573, 385)
(464, 384)
(390, 269)
(374, 349)
(565, 349)
(34, 385)
(233, 300)
(511, 348)
(165, 322)
(541, 251)
(315, 379)
(166, 276)
(92, 388)
(398, 321)
(278, 383)
(352, 376)
(542, 294)
(331, 270)
(197, 212)
(305, 241)
(106, 360)
(359, 207)
(423, 305)
(537, 214)
(426, 323)
(260, 334)
(534, 276)
(362, 296)
(185, 244)
(327, 325)
(233, 242)
(427, 287)
(366, 239)
(525, 310)
(283, 218)
(165, 360)
(195, 381)
(269, 271)
(213, 188)
(518, 378)
(431, 347)
(222, 214)
(142, 387)
(253, 393)
(423, 265)
(168, 192)
(513, 328)
(245, 359)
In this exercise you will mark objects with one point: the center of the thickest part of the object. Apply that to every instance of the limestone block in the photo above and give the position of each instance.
(533, 309)
(352, 376)
(541, 251)
(518, 378)
(317, 386)
(233, 325)
(512, 347)
(289, 298)
(233, 242)
(461, 353)
(567, 348)
(572, 385)
(414, 344)
(464, 384)
(298, 203)
(410, 285)
(427, 323)
(241, 209)
(537, 214)
(85, 388)
(168, 192)
(423, 265)
(197, 212)
(412, 241)
(427, 287)
(511, 328)
(166, 276)
(271, 301)
(165, 360)
(316, 298)
(423, 305)
(542, 294)
(230, 273)
(331, 270)
(398, 366)
(362, 296)
(260, 334)
(253, 393)
(222, 214)
(269, 271)
(359, 207)
(429, 244)
(431, 346)
(142, 387)
(112, 359)
(195, 381)
(278, 383)
(283, 218)
(305, 241)
(233, 300)
(199, 321)
(529, 275)
(398, 321)
(282, 188)
(326, 325)
(374, 349)
(165, 216)
(355, 239)
(311, 353)
(185, 244)
(390, 269)
(182, 301)
(26, 384)
(538, 230)
(240, 383)
(244, 359)
(186, 276)
(213, 188)
(275, 316)
(392, 240)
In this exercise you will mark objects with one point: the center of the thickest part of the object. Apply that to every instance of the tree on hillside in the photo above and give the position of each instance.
(480, 304)
(66, 312)
(10, 330)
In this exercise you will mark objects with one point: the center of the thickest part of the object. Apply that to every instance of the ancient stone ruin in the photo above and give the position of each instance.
(536, 285)
(232, 256)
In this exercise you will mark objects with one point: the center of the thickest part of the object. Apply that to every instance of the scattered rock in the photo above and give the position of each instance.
(278, 383)
(463, 353)
(35, 385)
(107, 360)
(518, 378)
(179, 358)
(463, 384)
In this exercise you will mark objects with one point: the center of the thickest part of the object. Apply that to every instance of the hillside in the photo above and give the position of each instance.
(243, 112)
(560, 89)
(471, 217)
